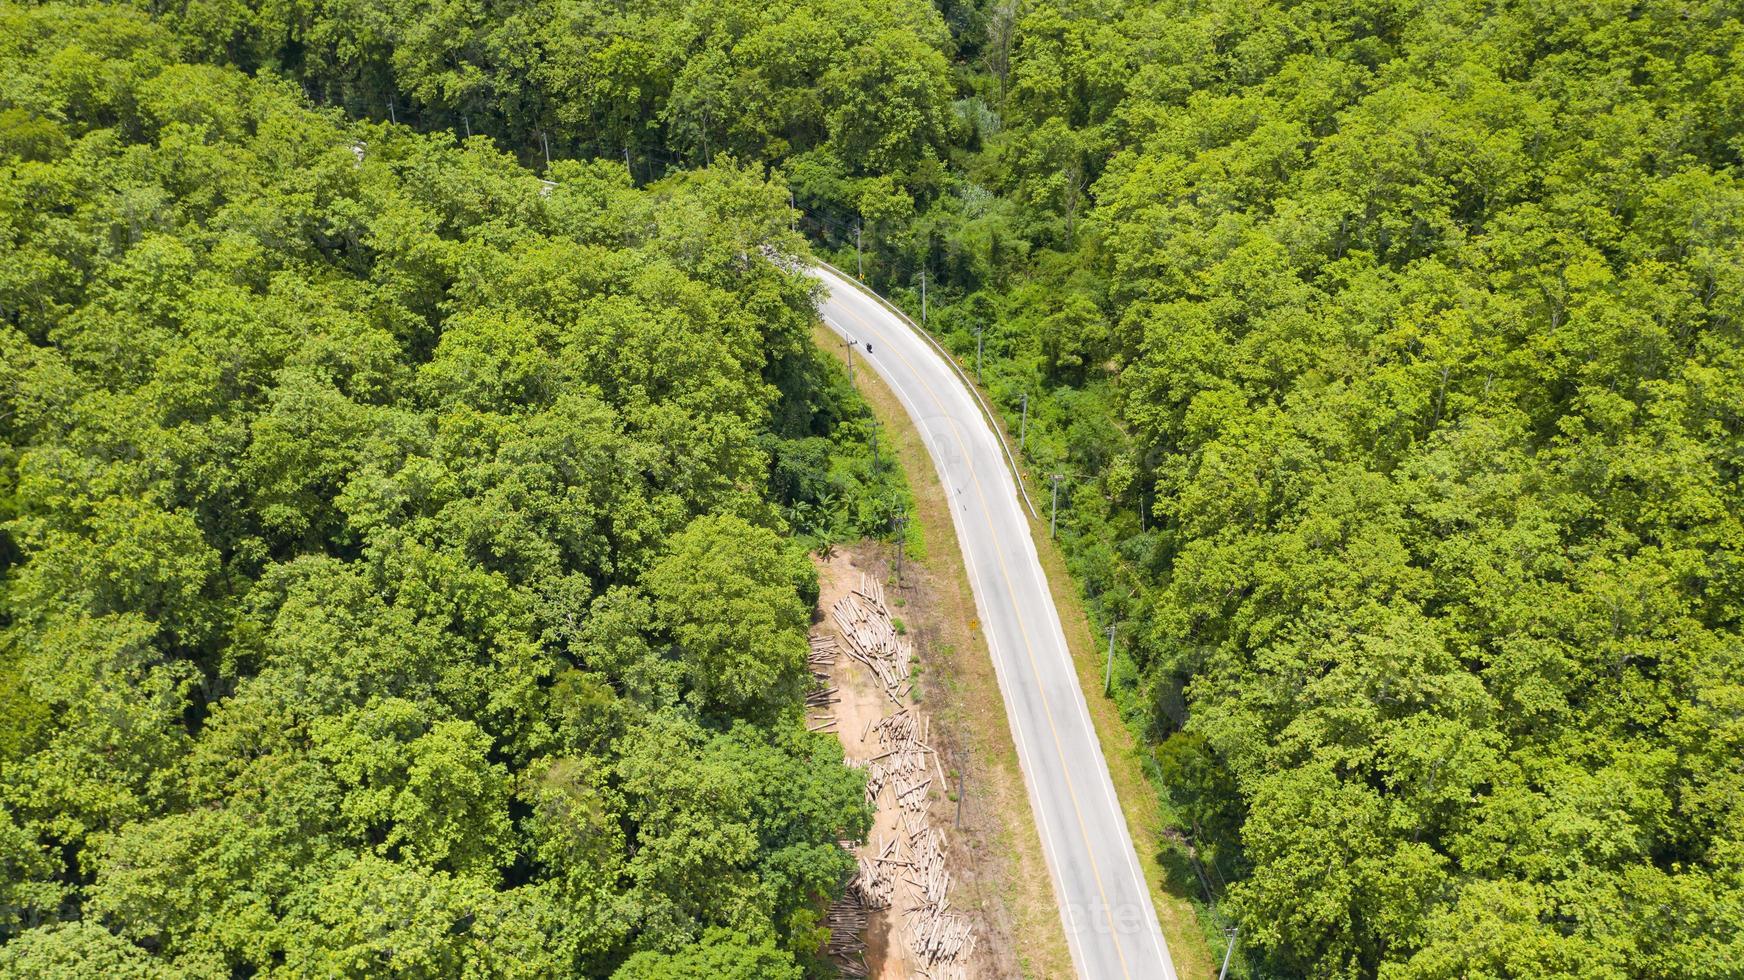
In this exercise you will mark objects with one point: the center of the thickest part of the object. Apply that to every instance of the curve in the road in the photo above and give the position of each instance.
(1105, 905)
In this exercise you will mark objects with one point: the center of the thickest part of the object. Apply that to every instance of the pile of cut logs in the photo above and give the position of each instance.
(846, 919)
(872, 640)
(819, 716)
(847, 924)
(898, 777)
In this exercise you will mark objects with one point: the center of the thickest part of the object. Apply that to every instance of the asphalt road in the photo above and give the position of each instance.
(1110, 923)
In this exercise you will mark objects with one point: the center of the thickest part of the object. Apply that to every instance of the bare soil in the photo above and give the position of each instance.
(863, 702)
(1192, 944)
(987, 873)
(996, 854)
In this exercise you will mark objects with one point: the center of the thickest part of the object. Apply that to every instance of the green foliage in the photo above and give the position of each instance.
(398, 525)
(728, 956)
(727, 592)
(1392, 357)
(396, 578)
(861, 89)
(77, 950)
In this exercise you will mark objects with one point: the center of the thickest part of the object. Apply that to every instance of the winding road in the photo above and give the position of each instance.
(1111, 926)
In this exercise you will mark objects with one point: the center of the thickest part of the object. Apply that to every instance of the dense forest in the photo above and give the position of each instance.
(1416, 333)
(397, 553)
(1392, 353)
(1395, 357)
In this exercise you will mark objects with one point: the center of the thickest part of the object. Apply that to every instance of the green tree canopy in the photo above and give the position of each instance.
(396, 578)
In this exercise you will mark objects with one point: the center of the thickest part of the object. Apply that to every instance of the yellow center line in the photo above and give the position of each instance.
(1023, 631)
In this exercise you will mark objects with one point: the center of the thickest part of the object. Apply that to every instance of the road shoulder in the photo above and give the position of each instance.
(1190, 943)
(1005, 877)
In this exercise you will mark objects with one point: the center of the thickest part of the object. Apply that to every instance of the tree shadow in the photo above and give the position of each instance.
(1179, 878)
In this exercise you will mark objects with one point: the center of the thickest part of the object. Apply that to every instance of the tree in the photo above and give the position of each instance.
(376, 916)
(728, 593)
(78, 949)
(724, 954)
(349, 607)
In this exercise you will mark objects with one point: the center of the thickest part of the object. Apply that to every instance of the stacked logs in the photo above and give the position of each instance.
(871, 637)
(876, 883)
(903, 761)
(822, 656)
(900, 777)
(819, 716)
(846, 921)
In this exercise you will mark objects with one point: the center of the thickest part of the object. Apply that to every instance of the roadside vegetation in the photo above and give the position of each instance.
(1390, 355)
(399, 574)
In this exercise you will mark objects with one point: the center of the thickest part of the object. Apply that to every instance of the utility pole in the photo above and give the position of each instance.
(1108, 672)
(464, 121)
(547, 145)
(848, 344)
(923, 305)
(391, 117)
(1054, 517)
(859, 260)
(901, 539)
(1023, 426)
(1227, 952)
(978, 332)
